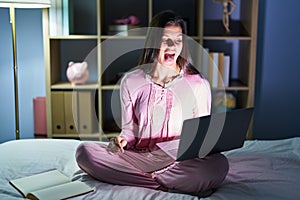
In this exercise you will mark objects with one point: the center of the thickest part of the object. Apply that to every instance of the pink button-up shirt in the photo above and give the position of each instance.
(151, 113)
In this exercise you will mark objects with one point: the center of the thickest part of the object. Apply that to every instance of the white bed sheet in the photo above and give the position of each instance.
(259, 170)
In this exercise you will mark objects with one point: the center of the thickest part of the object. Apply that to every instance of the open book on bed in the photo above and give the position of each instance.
(49, 185)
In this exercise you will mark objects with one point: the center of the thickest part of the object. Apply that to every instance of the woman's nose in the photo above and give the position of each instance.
(170, 43)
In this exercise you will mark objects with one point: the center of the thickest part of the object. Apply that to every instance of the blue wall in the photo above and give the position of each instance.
(30, 69)
(277, 96)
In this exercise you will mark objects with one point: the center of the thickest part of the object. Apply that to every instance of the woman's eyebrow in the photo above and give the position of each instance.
(170, 34)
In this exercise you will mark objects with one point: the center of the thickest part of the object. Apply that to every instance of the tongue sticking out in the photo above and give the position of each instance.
(169, 58)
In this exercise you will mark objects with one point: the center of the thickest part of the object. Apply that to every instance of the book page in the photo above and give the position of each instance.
(39, 181)
(62, 191)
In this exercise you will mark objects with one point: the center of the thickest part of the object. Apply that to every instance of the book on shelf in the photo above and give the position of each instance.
(52, 18)
(65, 17)
(59, 17)
(218, 69)
(59, 25)
(226, 70)
(213, 69)
(49, 185)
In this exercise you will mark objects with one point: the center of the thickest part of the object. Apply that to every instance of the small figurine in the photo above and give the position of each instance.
(227, 10)
(77, 73)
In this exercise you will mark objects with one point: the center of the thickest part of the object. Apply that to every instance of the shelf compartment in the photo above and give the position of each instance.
(83, 17)
(240, 20)
(118, 9)
(74, 112)
(239, 53)
(73, 17)
(111, 111)
(118, 57)
(62, 51)
(186, 9)
(222, 100)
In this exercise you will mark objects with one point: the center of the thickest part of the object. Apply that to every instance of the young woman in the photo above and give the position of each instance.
(155, 99)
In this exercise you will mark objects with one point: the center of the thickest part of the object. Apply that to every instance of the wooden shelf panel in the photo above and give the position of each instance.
(68, 86)
(220, 37)
(110, 87)
(233, 88)
(118, 37)
(72, 37)
(235, 85)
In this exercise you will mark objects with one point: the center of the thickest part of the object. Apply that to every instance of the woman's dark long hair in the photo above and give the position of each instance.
(153, 41)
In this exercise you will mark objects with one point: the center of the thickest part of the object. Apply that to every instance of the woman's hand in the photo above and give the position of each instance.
(117, 144)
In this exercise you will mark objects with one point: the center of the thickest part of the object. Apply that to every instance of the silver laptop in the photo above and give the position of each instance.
(215, 133)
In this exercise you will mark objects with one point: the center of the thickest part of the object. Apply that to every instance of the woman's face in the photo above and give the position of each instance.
(171, 46)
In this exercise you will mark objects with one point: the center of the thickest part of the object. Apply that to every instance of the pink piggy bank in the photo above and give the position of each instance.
(77, 73)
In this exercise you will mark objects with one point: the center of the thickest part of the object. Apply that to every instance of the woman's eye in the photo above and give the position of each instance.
(178, 41)
(164, 41)
(169, 41)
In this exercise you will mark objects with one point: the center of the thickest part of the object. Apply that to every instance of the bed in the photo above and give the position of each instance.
(258, 170)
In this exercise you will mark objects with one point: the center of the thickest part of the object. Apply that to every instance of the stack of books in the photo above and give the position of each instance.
(215, 67)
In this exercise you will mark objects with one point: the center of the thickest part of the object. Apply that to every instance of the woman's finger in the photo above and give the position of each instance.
(118, 142)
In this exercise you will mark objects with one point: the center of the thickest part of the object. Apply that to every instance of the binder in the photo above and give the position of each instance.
(71, 109)
(85, 111)
(226, 70)
(57, 103)
(220, 69)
